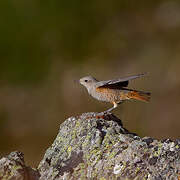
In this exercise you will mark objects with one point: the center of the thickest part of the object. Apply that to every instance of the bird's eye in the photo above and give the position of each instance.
(86, 80)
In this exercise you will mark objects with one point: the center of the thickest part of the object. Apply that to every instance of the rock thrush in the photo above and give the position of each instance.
(114, 91)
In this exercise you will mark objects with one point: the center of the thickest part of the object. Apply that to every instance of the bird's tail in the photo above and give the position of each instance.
(139, 95)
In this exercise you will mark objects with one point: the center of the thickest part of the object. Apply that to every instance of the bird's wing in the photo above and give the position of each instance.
(120, 82)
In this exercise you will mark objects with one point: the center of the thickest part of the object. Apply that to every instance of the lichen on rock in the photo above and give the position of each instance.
(92, 146)
(13, 167)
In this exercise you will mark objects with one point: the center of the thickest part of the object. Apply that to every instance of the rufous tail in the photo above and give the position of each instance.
(139, 95)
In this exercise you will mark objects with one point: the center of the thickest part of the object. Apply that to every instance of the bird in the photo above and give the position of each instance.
(114, 91)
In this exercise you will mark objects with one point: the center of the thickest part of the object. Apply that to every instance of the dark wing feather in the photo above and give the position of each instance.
(117, 83)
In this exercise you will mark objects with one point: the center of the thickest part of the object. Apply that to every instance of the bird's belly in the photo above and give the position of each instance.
(109, 95)
(101, 97)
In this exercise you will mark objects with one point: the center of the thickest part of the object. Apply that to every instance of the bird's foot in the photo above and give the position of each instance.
(109, 110)
(104, 113)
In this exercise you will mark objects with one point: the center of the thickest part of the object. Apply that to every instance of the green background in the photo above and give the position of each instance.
(46, 45)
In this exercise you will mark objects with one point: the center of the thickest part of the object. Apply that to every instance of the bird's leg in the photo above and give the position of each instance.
(109, 110)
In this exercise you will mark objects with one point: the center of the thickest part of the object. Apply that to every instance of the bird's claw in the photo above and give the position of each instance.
(104, 113)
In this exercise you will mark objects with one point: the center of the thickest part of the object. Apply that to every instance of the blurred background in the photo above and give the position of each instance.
(46, 45)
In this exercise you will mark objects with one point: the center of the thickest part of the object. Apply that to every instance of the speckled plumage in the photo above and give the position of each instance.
(113, 91)
(110, 95)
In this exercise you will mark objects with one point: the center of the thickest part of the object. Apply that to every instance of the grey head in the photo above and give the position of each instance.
(89, 82)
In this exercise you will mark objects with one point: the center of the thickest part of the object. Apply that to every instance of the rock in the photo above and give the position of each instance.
(13, 167)
(93, 146)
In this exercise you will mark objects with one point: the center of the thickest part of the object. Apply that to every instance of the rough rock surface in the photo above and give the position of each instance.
(13, 167)
(91, 146)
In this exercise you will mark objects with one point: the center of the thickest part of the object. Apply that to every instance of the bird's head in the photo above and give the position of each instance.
(88, 81)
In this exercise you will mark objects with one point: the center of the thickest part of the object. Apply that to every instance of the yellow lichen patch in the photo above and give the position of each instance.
(102, 178)
(69, 149)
